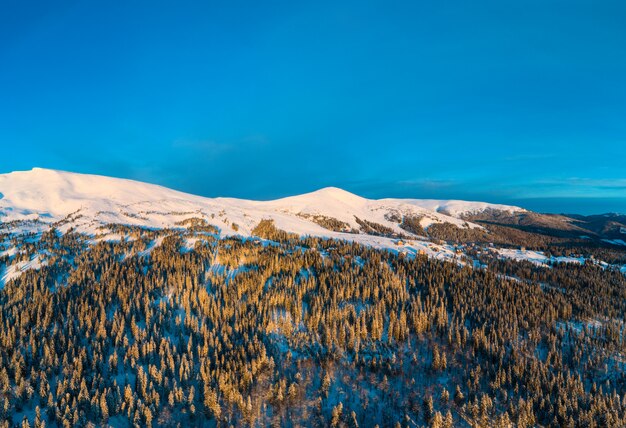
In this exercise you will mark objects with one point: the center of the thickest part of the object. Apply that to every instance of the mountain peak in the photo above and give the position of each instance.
(335, 192)
(323, 198)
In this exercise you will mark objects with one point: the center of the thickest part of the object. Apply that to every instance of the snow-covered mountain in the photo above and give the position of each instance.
(85, 202)
(32, 202)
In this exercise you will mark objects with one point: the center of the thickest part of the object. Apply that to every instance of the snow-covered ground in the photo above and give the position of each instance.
(536, 257)
(455, 208)
(615, 241)
(579, 326)
(15, 270)
(86, 202)
(540, 259)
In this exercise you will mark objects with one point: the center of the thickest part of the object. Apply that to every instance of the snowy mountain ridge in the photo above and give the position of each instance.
(85, 202)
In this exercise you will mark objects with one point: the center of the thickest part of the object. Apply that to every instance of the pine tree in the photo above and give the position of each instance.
(445, 397)
(211, 405)
(39, 423)
(436, 421)
(429, 409)
(104, 406)
(336, 415)
(458, 396)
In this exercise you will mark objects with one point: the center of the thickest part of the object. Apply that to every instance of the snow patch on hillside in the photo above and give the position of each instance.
(537, 257)
(15, 270)
(456, 208)
(615, 241)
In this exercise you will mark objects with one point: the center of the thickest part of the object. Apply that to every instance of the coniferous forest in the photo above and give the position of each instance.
(187, 328)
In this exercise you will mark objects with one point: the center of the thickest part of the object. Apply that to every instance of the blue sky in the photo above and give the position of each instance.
(506, 101)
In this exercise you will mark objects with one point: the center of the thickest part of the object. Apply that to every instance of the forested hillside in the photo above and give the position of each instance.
(179, 327)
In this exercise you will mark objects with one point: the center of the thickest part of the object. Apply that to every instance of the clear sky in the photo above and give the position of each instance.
(505, 101)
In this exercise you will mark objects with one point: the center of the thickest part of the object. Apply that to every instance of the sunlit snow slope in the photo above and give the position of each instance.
(85, 202)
